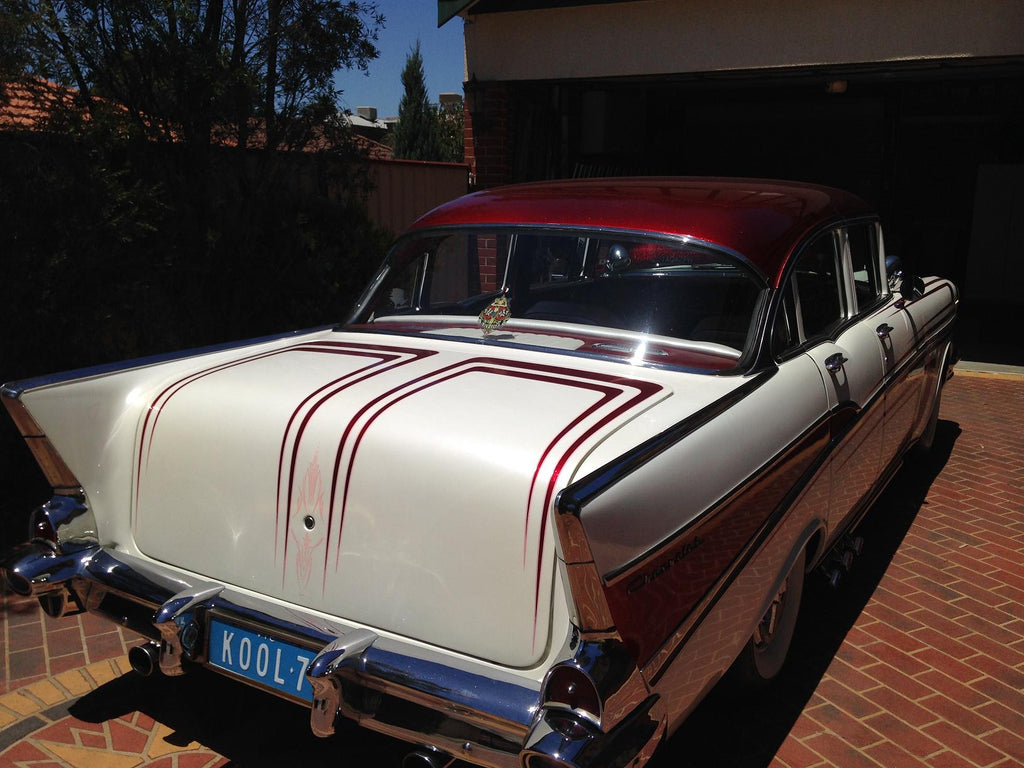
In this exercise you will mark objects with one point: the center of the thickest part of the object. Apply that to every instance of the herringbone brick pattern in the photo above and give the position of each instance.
(916, 660)
(36, 647)
(932, 672)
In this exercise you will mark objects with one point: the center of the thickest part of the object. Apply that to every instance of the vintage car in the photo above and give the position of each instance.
(567, 464)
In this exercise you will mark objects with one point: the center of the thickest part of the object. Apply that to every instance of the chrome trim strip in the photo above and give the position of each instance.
(497, 342)
(675, 642)
(15, 389)
(655, 667)
(576, 496)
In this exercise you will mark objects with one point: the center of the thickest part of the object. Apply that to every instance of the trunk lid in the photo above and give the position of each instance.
(393, 485)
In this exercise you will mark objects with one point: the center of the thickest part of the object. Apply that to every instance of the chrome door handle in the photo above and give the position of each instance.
(833, 363)
(884, 330)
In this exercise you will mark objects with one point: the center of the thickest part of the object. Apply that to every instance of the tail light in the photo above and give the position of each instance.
(571, 699)
(40, 528)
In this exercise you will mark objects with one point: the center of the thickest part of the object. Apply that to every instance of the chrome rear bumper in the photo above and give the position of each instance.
(405, 691)
(463, 709)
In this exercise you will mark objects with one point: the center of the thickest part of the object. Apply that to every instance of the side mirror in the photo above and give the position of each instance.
(911, 288)
(893, 271)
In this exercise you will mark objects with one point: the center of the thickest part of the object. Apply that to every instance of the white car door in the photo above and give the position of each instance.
(850, 359)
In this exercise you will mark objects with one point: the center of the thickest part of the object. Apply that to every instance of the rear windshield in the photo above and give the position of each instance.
(522, 279)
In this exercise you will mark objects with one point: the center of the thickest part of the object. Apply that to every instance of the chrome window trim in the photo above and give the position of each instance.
(570, 229)
(493, 342)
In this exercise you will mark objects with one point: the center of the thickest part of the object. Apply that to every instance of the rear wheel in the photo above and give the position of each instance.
(765, 653)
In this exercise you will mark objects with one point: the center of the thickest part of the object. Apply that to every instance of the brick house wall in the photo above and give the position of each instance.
(489, 135)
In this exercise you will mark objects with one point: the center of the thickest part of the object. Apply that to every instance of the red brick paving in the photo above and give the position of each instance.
(940, 645)
(917, 661)
(38, 646)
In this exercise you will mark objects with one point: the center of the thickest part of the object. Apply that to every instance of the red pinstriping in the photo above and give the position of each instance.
(382, 360)
(156, 407)
(413, 383)
(645, 390)
(609, 394)
(533, 372)
(183, 382)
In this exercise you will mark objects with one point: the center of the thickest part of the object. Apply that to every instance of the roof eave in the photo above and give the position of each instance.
(449, 9)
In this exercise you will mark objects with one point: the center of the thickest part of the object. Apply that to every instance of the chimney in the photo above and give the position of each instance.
(367, 113)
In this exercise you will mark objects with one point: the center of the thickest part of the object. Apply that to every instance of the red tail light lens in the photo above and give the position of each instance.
(570, 688)
(40, 528)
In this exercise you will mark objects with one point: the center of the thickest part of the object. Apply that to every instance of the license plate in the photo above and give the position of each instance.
(264, 660)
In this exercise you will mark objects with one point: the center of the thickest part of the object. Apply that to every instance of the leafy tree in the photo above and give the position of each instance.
(157, 211)
(451, 131)
(183, 69)
(416, 134)
(11, 23)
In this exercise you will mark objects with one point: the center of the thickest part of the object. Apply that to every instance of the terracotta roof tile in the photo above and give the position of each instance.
(29, 106)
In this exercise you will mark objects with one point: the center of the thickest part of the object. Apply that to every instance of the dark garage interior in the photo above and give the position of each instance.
(937, 148)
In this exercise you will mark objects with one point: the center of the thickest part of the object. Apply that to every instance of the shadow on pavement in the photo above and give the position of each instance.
(745, 730)
(250, 728)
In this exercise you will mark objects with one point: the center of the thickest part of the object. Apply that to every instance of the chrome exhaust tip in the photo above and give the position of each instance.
(839, 562)
(145, 658)
(16, 583)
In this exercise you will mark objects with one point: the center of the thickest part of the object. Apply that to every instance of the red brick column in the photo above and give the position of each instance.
(488, 141)
(487, 256)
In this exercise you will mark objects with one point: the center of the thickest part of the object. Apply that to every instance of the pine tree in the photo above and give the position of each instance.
(416, 134)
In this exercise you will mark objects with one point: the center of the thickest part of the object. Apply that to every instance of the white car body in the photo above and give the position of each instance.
(522, 540)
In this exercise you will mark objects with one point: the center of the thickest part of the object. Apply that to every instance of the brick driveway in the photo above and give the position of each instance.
(916, 660)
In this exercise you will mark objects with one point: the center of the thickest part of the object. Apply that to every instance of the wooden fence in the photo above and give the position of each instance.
(403, 190)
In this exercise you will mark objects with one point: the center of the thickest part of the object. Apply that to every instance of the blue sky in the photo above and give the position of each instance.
(405, 21)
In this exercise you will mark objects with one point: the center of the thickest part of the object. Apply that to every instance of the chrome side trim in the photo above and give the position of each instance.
(576, 496)
(14, 389)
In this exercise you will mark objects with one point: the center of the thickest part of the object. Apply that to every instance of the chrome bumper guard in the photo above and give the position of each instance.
(637, 736)
(384, 684)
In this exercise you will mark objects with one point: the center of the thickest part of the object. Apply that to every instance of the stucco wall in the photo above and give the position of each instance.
(675, 36)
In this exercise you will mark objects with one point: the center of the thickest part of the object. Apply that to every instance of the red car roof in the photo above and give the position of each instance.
(762, 220)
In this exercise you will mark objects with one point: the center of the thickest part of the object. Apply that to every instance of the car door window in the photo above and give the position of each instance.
(819, 287)
(862, 240)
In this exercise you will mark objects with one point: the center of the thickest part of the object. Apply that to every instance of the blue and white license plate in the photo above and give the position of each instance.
(266, 661)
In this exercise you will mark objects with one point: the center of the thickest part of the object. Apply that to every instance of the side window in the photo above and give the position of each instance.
(819, 287)
(867, 282)
(786, 330)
